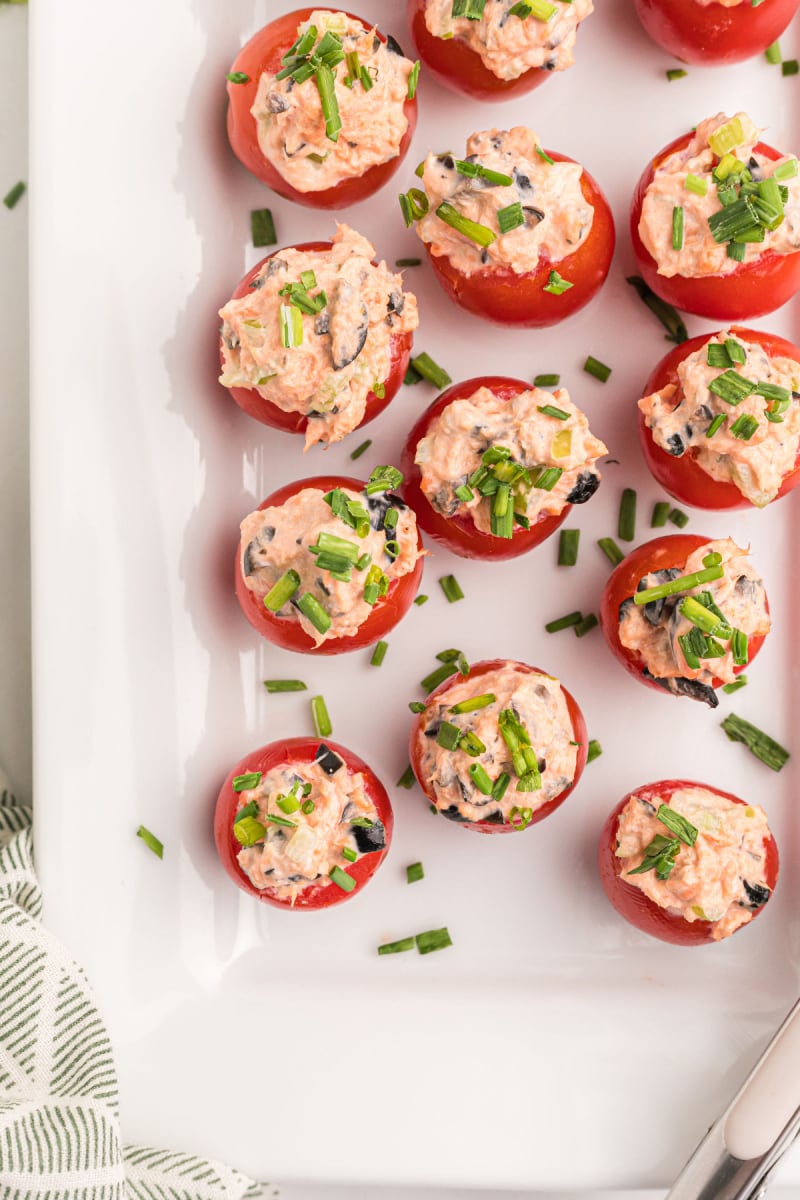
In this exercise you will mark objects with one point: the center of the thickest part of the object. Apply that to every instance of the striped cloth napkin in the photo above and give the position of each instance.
(59, 1120)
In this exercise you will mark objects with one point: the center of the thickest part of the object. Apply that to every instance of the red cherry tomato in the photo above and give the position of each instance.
(508, 298)
(460, 69)
(751, 290)
(658, 555)
(458, 533)
(289, 634)
(267, 413)
(631, 903)
(263, 53)
(713, 34)
(277, 754)
(681, 475)
(478, 669)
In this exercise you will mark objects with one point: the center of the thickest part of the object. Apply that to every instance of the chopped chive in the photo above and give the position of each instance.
(433, 939)
(500, 786)
(736, 686)
(510, 217)
(696, 184)
(438, 676)
(549, 410)
(520, 9)
(568, 542)
(611, 550)
(408, 262)
(660, 514)
(448, 736)
(573, 618)
(420, 599)
(284, 685)
(786, 170)
(480, 234)
(471, 9)
(593, 750)
(291, 326)
(307, 807)
(735, 351)
(414, 205)
(464, 493)
(327, 97)
(474, 703)
(243, 783)
(790, 67)
(594, 367)
(248, 831)
(451, 588)
(683, 583)
(548, 477)
(249, 810)
(379, 653)
(677, 824)
(731, 387)
(413, 80)
(545, 381)
(744, 427)
(544, 155)
(320, 717)
(416, 706)
(626, 525)
(288, 804)
(556, 285)
(342, 879)
(716, 424)
(262, 227)
(313, 611)
(349, 854)
(237, 77)
(474, 170)
(739, 648)
(586, 625)
(407, 779)
(481, 780)
(362, 449)
(773, 53)
(151, 841)
(667, 315)
(424, 365)
(397, 947)
(760, 744)
(675, 73)
(414, 872)
(677, 228)
(678, 517)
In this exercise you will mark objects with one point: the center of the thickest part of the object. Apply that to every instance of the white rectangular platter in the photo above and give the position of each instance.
(553, 1046)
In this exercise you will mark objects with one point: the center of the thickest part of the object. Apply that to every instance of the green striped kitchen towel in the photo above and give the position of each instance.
(59, 1121)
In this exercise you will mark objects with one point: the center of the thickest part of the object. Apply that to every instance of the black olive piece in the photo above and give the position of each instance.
(274, 265)
(370, 838)
(393, 45)
(453, 813)
(484, 256)
(624, 606)
(755, 169)
(276, 103)
(396, 302)
(326, 591)
(447, 161)
(322, 323)
(654, 610)
(651, 808)
(675, 443)
(704, 413)
(347, 339)
(327, 760)
(495, 818)
(585, 487)
(686, 687)
(376, 44)
(378, 506)
(433, 730)
(532, 215)
(757, 894)
(522, 180)
(746, 587)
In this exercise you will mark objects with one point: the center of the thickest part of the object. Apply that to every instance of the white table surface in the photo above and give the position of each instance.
(15, 551)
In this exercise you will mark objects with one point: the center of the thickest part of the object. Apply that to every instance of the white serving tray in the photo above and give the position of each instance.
(553, 1046)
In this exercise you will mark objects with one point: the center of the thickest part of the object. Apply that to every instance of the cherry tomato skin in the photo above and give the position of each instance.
(714, 35)
(453, 64)
(501, 295)
(640, 910)
(387, 611)
(672, 550)
(459, 533)
(276, 754)
(751, 290)
(267, 413)
(261, 54)
(681, 475)
(485, 667)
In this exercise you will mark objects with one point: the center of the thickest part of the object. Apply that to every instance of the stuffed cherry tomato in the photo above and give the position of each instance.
(685, 614)
(499, 748)
(321, 107)
(514, 234)
(321, 359)
(329, 564)
(712, 455)
(686, 862)
(302, 824)
(503, 490)
(500, 53)
(715, 222)
(715, 32)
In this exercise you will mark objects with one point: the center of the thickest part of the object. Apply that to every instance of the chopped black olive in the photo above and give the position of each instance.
(523, 181)
(686, 687)
(276, 103)
(393, 45)
(275, 265)
(453, 813)
(654, 610)
(327, 760)
(326, 591)
(757, 894)
(495, 818)
(378, 506)
(675, 443)
(322, 323)
(532, 216)
(347, 339)
(370, 838)
(585, 487)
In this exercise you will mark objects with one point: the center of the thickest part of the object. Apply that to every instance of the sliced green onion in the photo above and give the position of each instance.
(677, 824)
(573, 618)
(626, 524)
(291, 324)
(677, 228)
(448, 736)
(414, 872)
(342, 879)
(744, 427)
(521, 9)
(717, 355)
(773, 53)
(474, 170)
(284, 685)
(611, 550)
(667, 315)
(735, 351)
(697, 614)
(150, 840)
(760, 744)
(784, 170)
(237, 77)
(736, 686)
(243, 783)
(471, 9)
(675, 73)
(659, 856)
(262, 227)
(520, 818)
(379, 653)
(436, 677)
(480, 234)
(320, 716)
(433, 939)
(308, 807)
(593, 750)
(546, 381)
(416, 706)
(547, 478)
(397, 947)
(313, 611)
(500, 786)
(544, 155)
(598, 369)
(480, 778)
(413, 80)
(408, 262)
(464, 493)
(568, 542)
(474, 703)
(684, 583)
(421, 599)
(407, 779)
(586, 625)
(790, 67)
(727, 137)
(678, 517)
(327, 98)
(510, 217)
(362, 449)
(424, 365)
(739, 648)
(733, 220)
(383, 479)
(660, 513)
(716, 425)
(349, 854)
(248, 831)
(696, 184)
(451, 588)
(414, 205)
(556, 285)
(249, 810)
(736, 250)
(288, 804)
(549, 410)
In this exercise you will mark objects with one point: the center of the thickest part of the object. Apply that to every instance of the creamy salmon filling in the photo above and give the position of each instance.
(318, 349)
(309, 818)
(534, 702)
(292, 132)
(510, 43)
(754, 444)
(721, 878)
(480, 445)
(296, 538)
(720, 184)
(677, 652)
(555, 217)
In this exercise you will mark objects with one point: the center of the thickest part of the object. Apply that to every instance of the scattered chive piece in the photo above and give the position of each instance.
(474, 703)
(342, 879)
(549, 410)
(451, 588)
(667, 315)
(739, 648)
(424, 365)
(416, 706)
(786, 170)
(611, 550)
(413, 80)
(696, 184)
(311, 608)
(324, 79)
(397, 947)
(716, 424)
(414, 872)
(438, 676)
(790, 67)
(349, 854)
(677, 227)
(379, 653)
(683, 583)
(593, 750)
(744, 427)
(481, 779)
(544, 381)
(411, 376)
(626, 525)
(556, 285)
(773, 53)
(408, 262)
(291, 324)
(660, 514)
(285, 685)
(320, 717)
(758, 743)
(12, 198)
(248, 831)
(448, 736)
(383, 479)
(151, 841)
(594, 367)
(262, 227)
(362, 449)
(543, 154)
(736, 686)
(678, 517)
(414, 205)
(471, 9)
(677, 824)
(237, 77)
(573, 618)
(420, 599)
(480, 234)
(249, 810)
(568, 547)
(407, 779)
(433, 939)
(510, 217)
(243, 783)
(464, 493)
(307, 807)
(586, 625)
(675, 73)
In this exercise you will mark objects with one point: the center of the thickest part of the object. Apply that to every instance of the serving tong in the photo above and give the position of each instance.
(737, 1156)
